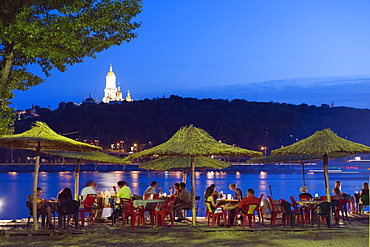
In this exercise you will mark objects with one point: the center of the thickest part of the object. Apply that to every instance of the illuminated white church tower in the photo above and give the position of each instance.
(111, 92)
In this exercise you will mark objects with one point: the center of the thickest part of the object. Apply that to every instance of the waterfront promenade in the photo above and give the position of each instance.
(183, 234)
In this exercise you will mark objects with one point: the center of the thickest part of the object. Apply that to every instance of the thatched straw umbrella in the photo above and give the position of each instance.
(182, 163)
(193, 142)
(323, 143)
(92, 155)
(299, 159)
(41, 137)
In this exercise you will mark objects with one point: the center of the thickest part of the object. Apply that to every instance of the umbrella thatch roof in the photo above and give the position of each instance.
(91, 155)
(320, 143)
(296, 158)
(42, 134)
(168, 163)
(192, 141)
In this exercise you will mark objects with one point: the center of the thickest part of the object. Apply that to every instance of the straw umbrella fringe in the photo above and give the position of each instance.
(193, 142)
(92, 155)
(323, 143)
(299, 159)
(41, 137)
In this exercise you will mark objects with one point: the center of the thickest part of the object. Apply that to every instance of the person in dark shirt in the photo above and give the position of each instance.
(238, 193)
(304, 192)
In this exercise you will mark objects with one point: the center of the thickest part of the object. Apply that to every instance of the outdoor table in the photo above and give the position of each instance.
(148, 204)
(230, 213)
(307, 207)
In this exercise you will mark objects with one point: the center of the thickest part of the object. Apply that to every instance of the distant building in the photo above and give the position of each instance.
(89, 101)
(112, 93)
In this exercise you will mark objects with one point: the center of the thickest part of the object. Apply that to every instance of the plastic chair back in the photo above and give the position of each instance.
(304, 197)
(287, 207)
(90, 199)
(324, 208)
(70, 207)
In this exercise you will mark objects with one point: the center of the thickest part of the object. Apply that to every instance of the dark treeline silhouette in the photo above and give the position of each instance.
(246, 124)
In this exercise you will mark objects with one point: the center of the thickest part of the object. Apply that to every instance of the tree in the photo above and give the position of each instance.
(55, 34)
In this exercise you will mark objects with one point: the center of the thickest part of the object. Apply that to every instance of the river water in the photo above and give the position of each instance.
(16, 186)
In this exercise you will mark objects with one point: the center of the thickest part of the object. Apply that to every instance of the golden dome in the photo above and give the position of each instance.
(110, 73)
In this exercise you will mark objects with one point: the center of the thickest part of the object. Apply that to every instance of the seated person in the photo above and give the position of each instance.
(238, 193)
(124, 190)
(211, 200)
(88, 189)
(183, 201)
(43, 206)
(249, 199)
(151, 190)
(304, 192)
(176, 191)
(64, 195)
(209, 191)
(337, 194)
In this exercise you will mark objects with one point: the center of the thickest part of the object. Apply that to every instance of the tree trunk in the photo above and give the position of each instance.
(5, 71)
(184, 176)
(303, 174)
(34, 190)
(77, 179)
(194, 210)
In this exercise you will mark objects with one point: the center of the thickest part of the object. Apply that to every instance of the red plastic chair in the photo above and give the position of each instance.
(250, 210)
(340, 208)
(260, 212)
(216, 215)
(147, 196)
(164, 210)
(322, 198)
(87, 208)
(304, 197)
(275, 209)
(130, 211)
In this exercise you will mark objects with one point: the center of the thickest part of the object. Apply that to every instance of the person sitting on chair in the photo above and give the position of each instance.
(88, 189)
(183, 201)
(64, 195)
(124, 190)
(304, 192)
(43, 206)
(238, 193)
(151, 189)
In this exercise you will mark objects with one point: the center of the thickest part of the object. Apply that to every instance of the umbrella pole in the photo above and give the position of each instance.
(184, 176)
(194, 211)
(34, 189)
(326, 176)
(77, 179)
(303, 174)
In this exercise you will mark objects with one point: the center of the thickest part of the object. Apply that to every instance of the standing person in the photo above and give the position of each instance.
(183, 201)
(88, 189)
(151, 190)
(124, 190)
(43, 206)
(238, 193)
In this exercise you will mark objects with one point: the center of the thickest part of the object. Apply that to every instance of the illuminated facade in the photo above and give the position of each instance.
(112, 93)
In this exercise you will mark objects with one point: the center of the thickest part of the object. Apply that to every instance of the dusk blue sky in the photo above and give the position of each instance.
(311, 52)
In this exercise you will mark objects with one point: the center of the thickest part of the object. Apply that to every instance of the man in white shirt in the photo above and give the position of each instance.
(151, 189)
(89, 189)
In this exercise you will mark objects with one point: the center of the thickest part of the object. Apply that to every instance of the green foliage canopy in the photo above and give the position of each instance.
(55, 34)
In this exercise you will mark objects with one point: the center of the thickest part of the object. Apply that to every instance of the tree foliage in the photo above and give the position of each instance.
(246, 124)
(56, 34)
